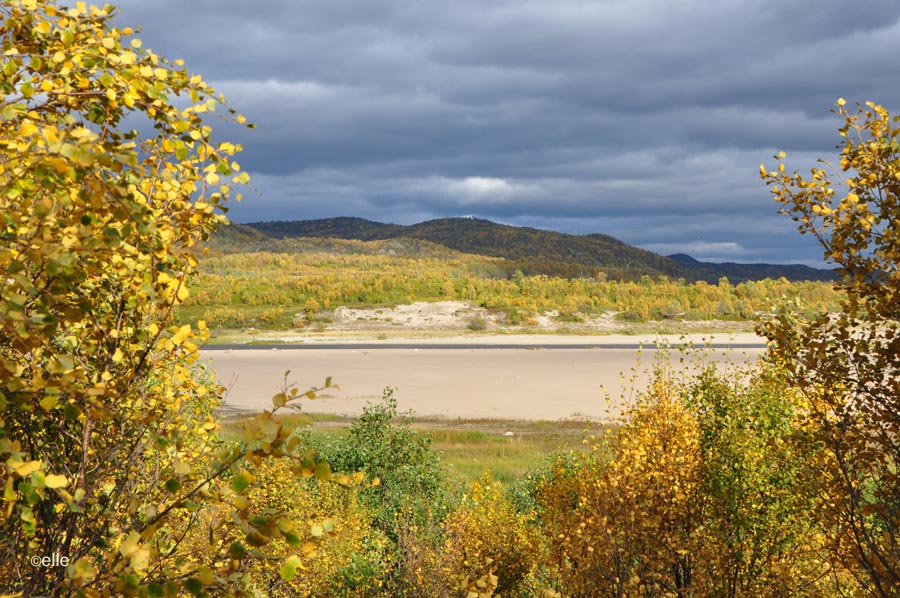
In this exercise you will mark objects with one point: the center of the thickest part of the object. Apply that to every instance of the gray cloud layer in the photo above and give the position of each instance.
(643, 119)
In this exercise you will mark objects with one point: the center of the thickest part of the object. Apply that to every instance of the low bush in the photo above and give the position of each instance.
(382, 444)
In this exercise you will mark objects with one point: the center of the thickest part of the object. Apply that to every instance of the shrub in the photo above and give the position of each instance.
(634, 522)
(486, 537)
(351, 556)
(477, 323)
(382, 444)
(698, 493)
(846, 365)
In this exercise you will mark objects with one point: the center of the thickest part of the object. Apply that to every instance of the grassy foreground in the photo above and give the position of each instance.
(469, 448)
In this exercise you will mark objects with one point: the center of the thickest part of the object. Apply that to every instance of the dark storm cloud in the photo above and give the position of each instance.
(643, 119)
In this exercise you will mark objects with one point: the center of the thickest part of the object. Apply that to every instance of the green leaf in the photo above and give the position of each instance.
(289, 569)
(10, 68)
(194, 586)
(323, 471)
(10, 111)
(237, 550)
(240, 482)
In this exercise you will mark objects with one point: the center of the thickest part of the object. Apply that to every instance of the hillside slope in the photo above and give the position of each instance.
(530, 250)
(533, 251)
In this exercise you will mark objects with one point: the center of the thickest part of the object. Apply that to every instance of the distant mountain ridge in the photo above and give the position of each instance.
(533, 251)
(739, 272)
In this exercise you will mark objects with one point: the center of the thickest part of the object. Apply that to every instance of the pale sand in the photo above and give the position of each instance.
(443, 318)
(546, 384)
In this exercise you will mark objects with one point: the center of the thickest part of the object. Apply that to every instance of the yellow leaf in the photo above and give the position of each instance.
(130, 545)
(56, 481)
(181, 335)
(27, 468)
(140, 560)
(206, 575)
(27, 129)
(83, 570)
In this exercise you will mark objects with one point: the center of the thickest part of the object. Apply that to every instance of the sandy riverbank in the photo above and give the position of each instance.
(459, 319)
(549, 383)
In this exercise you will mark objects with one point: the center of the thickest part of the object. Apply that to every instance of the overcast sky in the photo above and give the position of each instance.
(643, 119)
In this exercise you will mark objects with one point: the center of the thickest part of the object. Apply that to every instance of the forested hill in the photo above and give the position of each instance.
(530, 250)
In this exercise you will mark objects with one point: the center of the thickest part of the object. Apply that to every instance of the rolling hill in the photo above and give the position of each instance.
(533, 251)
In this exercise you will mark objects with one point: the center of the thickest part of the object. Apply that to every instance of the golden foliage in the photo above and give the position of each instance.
(629, 523)
(231, 290)
(351, 557)
(488, 543)
(110, 450)
(847, 365)
(698, 493)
